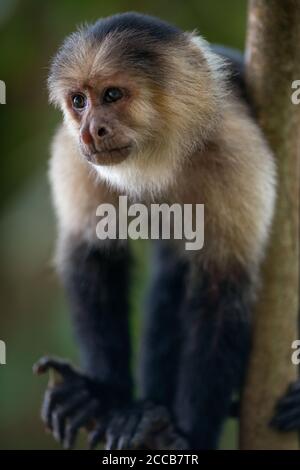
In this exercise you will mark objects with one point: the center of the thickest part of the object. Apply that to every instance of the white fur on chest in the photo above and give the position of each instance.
(142, 174)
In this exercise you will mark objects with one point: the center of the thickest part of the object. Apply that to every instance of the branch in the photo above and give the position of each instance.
(272, 64)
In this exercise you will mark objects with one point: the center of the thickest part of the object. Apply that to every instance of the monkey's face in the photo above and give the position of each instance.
(139, 101)
(100, 116)
(112, 116)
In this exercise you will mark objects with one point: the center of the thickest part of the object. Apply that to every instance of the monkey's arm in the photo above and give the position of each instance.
(162, 332)
(149, 424)
(96, 280)
(217, 342)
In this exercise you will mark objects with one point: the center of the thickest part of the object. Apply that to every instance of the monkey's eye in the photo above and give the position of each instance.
(78, 101)
(112, 94)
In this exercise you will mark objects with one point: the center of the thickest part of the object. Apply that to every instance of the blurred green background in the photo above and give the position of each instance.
(34, 318)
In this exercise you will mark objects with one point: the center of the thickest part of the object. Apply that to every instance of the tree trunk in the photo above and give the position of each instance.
(272, 64)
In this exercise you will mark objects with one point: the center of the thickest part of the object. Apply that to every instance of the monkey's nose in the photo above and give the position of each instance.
(99, 132)
(102, 131)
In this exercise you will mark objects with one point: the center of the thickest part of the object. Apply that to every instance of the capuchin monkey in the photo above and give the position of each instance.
(150, 112)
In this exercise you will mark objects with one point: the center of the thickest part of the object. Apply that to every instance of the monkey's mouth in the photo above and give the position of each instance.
(108, 156)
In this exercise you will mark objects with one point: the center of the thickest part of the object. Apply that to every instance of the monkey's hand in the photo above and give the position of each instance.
(75, 401)
(287, 412)
(143, 425)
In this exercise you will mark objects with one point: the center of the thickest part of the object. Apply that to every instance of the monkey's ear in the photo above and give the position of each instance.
(197, 48)
(194, 36)
(204, 53)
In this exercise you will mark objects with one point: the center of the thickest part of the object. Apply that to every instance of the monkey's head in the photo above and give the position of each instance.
(138, 94)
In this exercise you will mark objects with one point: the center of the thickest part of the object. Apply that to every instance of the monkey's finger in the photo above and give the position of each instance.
(292, 399)
(126, 431)
(140, 435)
(287, 421)
(76, 422)
(153, 420)
(53, 396)
(63, 411)
(111, 441)
(114, 430)
(139, 438)
(61, 366)
(287, 404)
(96, 436)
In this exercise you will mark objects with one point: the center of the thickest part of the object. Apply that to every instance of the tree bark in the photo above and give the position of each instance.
(272, 64)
